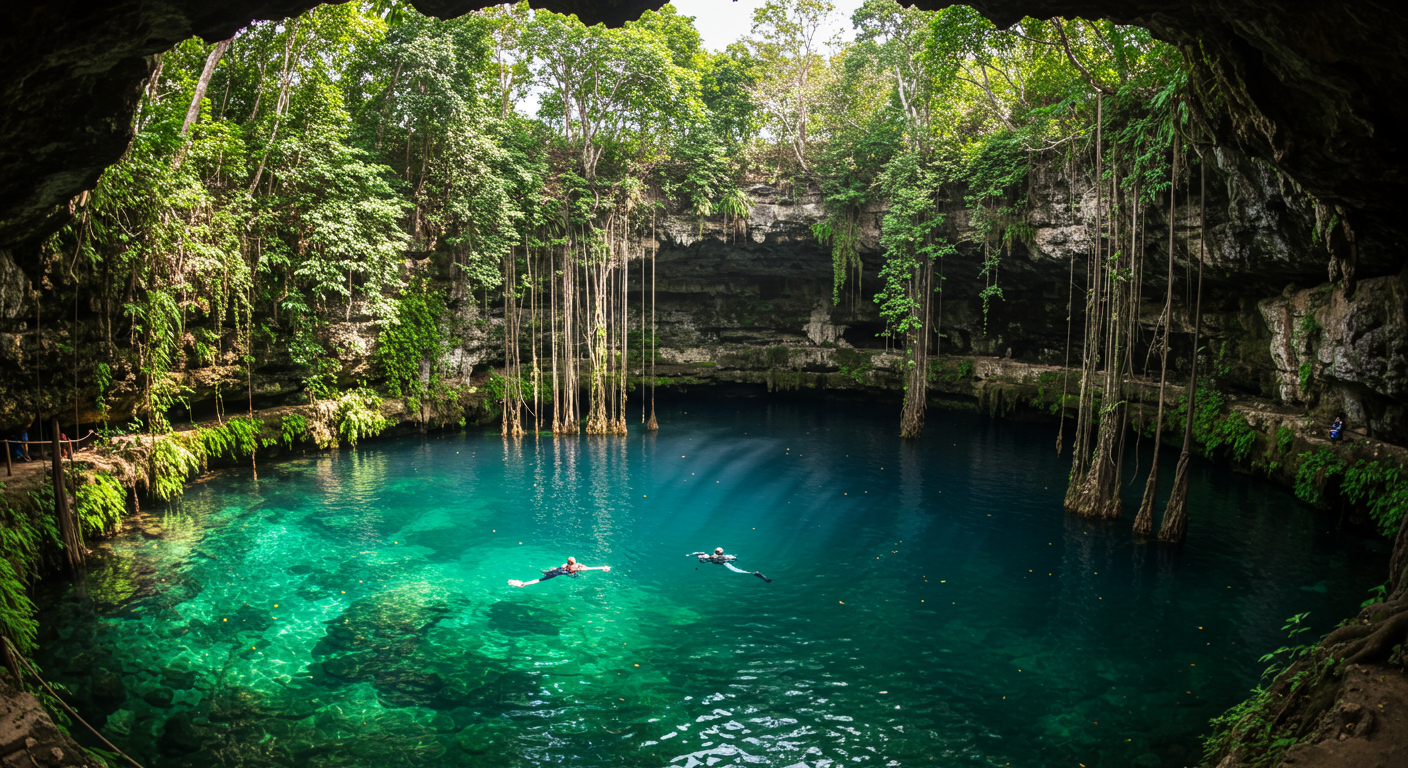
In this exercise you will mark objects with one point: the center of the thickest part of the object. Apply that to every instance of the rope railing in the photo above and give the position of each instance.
(69, 443)
(15, 654)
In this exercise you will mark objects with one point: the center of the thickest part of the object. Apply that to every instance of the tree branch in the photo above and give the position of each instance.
(1085, 73)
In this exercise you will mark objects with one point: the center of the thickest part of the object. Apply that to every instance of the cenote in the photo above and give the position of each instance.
(931, 603)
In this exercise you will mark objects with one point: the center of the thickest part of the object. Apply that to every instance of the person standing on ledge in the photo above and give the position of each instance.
(569, 568)
(717, 557)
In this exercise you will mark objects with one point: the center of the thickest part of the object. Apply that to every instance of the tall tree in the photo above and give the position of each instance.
(793, 55)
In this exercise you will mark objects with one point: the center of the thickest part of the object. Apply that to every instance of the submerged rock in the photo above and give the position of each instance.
(477, 738)
(120, 723)
(160, 697)
(384, 639)
(179, 736)
(388, 621)
(511, 619)
(107, 687)
(233, 704)
(180, 679)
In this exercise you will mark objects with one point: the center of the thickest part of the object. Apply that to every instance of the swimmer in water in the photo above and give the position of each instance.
(569, 568)
(717, 557)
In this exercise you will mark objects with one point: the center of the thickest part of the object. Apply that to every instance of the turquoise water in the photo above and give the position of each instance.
(930, 604)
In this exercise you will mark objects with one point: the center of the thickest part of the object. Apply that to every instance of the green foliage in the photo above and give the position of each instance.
(1215, 425)
(1309, 327)
(1315, 470)
(842, 232)
(236, 437)
(102, 379)
(308, 353)
(912, 245)
(21, 542)
(494, 386)
(170, 463)
(359, 416)
(101, 502)
(1382, 487)
(951, 369)
(411, 342)
(854, 364)
(1285, 438)
(1234, 432)
(293, 429)
(1253, 727)
(16, 609)
(1307, 373)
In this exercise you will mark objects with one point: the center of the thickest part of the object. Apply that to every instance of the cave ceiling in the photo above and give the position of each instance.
(1315, 88)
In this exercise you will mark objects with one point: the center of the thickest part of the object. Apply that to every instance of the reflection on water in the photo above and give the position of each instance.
(930, 604)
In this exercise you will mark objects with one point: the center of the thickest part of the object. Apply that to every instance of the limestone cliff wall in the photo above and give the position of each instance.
(742, 300)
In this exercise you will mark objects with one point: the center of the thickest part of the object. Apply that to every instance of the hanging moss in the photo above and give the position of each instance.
(293, 429)
(1315, 470)
(23, 539)
(410, 338)
(101, 502)
(359, 416)
(783, 381)
(1382, 488)
(170, 464)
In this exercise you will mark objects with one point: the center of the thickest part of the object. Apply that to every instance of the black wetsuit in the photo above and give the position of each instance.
(727, 562)
(560, 570)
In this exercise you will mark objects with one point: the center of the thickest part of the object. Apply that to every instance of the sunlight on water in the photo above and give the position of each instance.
(931, 605)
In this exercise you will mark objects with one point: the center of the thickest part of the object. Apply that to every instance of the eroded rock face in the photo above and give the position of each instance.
(29, 737)
(1345, 354)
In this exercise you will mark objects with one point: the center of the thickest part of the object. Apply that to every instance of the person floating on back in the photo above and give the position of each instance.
(569, 568)
(717, 557)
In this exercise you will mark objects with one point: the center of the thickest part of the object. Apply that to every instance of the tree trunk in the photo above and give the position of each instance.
(916, 388)
(1091, 351)
(279, 107)
(68, 527)
(651, 424)
(1098, 496)
(1144, 520)
(1175, 526)
(213, 59)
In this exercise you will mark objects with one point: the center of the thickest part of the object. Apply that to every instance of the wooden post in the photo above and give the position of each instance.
(9, 470)
(68, 529)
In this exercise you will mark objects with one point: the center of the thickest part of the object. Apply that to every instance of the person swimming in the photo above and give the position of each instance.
(717, 557)
(569, 568)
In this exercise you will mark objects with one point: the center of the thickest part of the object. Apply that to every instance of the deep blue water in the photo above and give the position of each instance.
(931, 604)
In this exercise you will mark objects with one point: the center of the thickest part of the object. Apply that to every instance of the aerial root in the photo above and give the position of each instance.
(1378, 644)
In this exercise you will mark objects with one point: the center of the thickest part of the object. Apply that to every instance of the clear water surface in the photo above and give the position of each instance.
(931, 605)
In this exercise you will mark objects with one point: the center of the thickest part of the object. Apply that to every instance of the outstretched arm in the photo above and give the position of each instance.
(595, 568)
(696, 554)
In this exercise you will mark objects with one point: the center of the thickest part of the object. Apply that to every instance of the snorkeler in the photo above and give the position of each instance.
(569, 568)
(717, 557)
